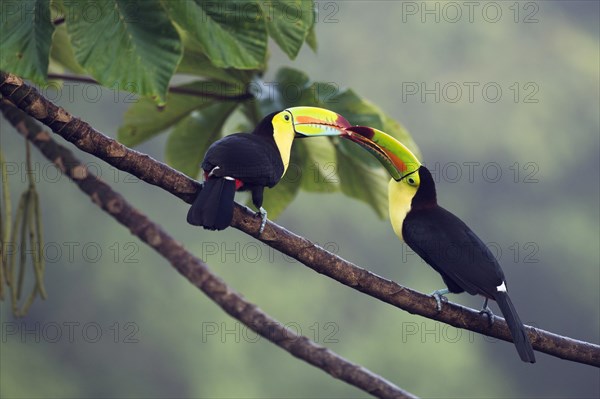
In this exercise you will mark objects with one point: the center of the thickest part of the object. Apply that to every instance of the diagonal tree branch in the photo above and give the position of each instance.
(193, 268)
(147, 169)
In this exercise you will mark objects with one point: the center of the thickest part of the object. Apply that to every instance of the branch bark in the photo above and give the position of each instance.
(193, 268)
(147, 169)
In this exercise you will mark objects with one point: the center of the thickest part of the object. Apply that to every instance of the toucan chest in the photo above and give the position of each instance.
(250, 158)
(399, 205)
(283, 142)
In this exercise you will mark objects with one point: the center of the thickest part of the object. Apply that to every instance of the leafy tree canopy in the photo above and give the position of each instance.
(222, 48)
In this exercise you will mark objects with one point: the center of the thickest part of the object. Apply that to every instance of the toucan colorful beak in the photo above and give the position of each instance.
(393, 155)
(313, 121)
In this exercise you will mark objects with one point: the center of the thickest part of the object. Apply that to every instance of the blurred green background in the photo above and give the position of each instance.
(121, 323)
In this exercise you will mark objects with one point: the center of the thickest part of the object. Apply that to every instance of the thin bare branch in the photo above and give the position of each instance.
(147, 169)
(194, 269)
(172, 89)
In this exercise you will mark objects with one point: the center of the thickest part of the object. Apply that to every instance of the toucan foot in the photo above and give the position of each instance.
(263, 215)
(439, 297)
(488, 312)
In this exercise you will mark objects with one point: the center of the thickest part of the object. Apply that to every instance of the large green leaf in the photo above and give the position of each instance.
(311, 39)
(26, 32)
(62, 51)
(195, 62)
(144, 119)
(190, 139)
(362, 112)
(319, 169)
(289, 23)
(360, 181)
(320, 94)
(290, 76)
(291, 85)
(126, 43)
(277, 199)
(232, 34)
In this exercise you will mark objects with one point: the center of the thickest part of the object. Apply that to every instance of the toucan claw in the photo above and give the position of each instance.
(488, 312)
(439, 297)
(263, 215)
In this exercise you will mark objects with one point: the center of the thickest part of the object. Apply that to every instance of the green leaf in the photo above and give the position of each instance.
(291, 85)
(232, 34)
(288, 23)
(277, 199)
(362, 112)
(320, 94)
(364, 183)
(311, 39)
(357, 110)
(286, 75)
(195, 62)
(62, 51)
(144, 119)
(128, 43)
(190, 139)
(26, 32)
(319, 169)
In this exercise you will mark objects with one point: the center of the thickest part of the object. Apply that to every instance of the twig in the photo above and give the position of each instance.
(147, 169)
(194, 269)
(172, 89)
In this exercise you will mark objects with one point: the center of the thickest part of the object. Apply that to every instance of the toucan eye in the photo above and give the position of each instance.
(411, 181)
(286, 117)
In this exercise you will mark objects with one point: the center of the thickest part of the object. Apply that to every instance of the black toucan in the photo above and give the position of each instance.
(444, 241)
(253, 161)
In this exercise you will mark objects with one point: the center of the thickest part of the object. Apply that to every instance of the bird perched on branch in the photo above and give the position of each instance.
(253, 161)
(444, 241)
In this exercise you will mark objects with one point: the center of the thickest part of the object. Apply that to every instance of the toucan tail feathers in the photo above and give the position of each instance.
(213, 207)
(516, 327)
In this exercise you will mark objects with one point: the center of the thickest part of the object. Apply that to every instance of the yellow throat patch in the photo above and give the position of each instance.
(283, 134)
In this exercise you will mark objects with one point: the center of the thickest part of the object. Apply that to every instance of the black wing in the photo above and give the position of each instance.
(453, 250)
(250, 158)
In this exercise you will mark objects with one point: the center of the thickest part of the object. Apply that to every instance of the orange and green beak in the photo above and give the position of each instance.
(314, 121)
(393, 155)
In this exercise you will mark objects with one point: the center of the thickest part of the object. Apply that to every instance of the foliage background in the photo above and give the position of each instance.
(370, 47)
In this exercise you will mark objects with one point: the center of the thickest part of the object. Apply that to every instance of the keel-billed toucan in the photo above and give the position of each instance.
(253, 161)
(438, 236)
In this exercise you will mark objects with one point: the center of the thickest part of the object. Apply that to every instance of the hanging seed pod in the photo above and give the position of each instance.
(40, 264)
(27, 228)
(5, 220)
(12, 273)
(22, 228)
